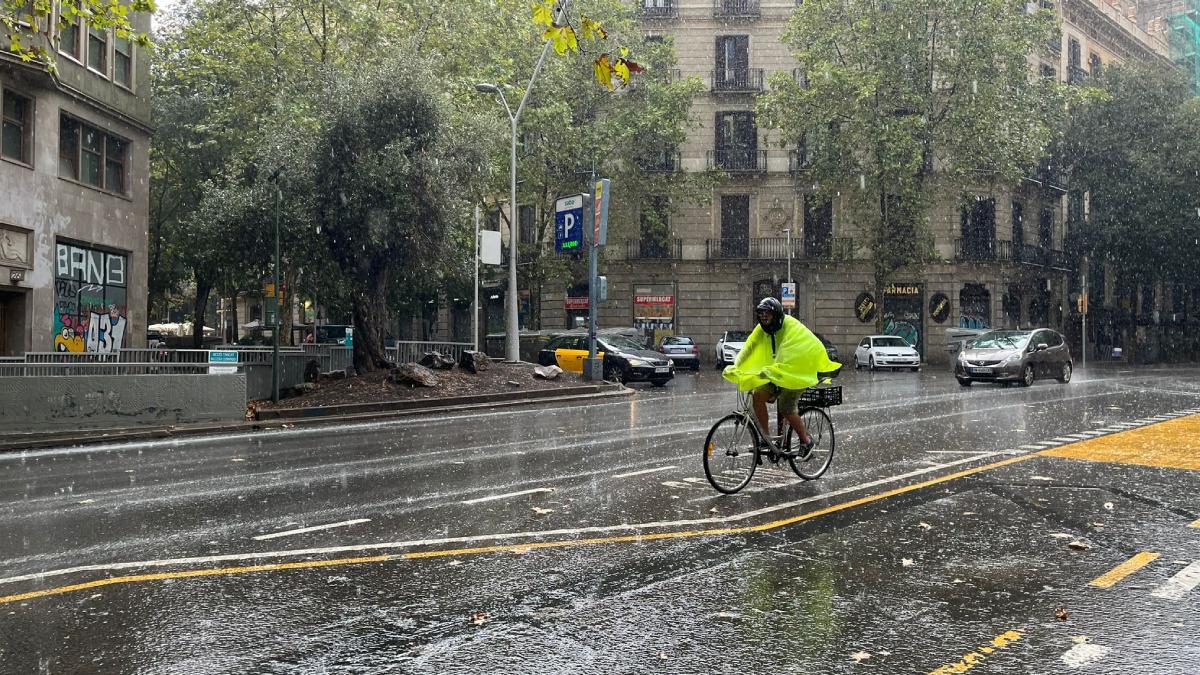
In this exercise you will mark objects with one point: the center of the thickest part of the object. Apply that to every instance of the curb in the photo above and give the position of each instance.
(288, 418)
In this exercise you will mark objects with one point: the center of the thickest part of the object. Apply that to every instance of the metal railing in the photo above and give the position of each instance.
(776, 248)
(661, 9)
(737, 80)
(799, 160)
(737, 161)
(737, 9)
(1076, 75)
(647, 249)
(663, 162)
(67, 368)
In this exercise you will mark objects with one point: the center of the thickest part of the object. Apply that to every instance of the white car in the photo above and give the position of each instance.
(729, 345)
(886, 351)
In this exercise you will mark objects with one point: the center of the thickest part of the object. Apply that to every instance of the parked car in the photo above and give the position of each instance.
(1014, 356)
(625, 359)
(728, 346)
(830, 349)
(332, 333)
(682, 351)
(886, 351)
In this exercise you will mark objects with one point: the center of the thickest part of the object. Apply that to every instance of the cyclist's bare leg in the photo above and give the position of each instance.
(798, 425)
(759, 403)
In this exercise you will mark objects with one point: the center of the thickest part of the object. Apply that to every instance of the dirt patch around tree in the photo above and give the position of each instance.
(378, 387)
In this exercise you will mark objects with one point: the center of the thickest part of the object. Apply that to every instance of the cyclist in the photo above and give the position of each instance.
(781, 358)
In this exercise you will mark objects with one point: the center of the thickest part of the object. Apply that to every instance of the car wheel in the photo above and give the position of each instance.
(857, 365)
(870, 363)
(1065, 376)
(659, 383)
(965, 383)
(1027, 376)
(916, 368)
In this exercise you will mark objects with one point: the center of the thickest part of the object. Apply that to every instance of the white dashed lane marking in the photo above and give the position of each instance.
(1179, 585)
(506, 496)
(314, 528)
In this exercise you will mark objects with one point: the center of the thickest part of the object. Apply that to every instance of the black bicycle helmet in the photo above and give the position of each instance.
(775, 308)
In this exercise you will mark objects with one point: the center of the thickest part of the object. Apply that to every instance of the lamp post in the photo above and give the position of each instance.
(274, 179)
(512, 343)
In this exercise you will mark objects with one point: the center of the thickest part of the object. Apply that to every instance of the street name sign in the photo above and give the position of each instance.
(222, 358)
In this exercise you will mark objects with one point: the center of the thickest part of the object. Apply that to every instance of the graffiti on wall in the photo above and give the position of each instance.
(90, 307)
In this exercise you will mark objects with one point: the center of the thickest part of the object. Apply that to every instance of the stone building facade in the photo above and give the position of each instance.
(1002, 261)
(74, 209)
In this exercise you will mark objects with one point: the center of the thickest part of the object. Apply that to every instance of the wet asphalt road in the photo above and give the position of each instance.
(577, 540)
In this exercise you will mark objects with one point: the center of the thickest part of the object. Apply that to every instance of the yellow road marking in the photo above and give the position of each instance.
(521, 548)
(6, 599)
(1111, 577)
(1114, 448)
(972, 659)
(1174, 444)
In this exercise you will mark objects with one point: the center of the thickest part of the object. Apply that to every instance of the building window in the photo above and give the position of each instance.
(91, 156)
(1095, 63)
(733, 61)
(123, 62)
(979, 230)
(527, 228)
(736, 141)
(735, 226)
(818, 227)
(98, 51)
(17, 143)
(68, 40)
(90, 302)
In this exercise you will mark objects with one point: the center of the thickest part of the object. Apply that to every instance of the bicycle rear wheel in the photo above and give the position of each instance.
(730, 454)
(820, 430)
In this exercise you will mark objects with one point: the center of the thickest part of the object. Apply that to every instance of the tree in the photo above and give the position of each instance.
(31, 28)
(389, 178)
(903, 97)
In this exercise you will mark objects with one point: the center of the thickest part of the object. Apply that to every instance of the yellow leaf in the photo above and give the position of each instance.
(622, 71)
(544, 14)
(603, 71)
(563, 37)
(591, 29)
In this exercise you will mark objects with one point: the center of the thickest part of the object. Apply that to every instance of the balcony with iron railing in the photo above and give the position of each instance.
(738, 161)
(1049, 175)
(737, 9)
(1076, 75)
(663, 162)
(799, 160)
(777, 248)
(653, 249)
(659, 10)
(801, 77)
(737, 81)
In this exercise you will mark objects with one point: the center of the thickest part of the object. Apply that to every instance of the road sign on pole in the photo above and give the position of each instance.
(789, 295)
(600, 218)
(568, 224)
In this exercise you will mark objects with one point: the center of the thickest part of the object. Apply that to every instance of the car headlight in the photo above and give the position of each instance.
(962, 357)
(637, 363)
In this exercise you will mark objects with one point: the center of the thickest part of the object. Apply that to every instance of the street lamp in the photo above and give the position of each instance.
(512, 343)
(274, 179)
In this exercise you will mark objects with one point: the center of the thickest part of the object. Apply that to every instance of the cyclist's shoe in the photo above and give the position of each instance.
(802, 451)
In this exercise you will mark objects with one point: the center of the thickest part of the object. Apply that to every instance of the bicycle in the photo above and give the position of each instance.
(732, 453)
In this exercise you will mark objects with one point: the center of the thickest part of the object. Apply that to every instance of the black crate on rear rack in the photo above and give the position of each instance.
(821, 396)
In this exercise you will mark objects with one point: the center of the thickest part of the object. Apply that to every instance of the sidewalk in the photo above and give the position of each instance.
(292, 417)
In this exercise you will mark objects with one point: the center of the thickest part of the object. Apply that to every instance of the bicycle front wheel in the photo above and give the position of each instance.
(730, 454)
(810, 466)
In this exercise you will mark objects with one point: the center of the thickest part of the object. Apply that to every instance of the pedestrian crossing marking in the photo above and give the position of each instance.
(1179, 585)
(1116, 574)
(1174, 444)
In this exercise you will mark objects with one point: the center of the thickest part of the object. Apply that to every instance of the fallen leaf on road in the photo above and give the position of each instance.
(1079, 545)
(925, 526)
(859, 657)
(479, 618)
(88, 501)
(663, 656)
(970, 513)
(907, 562)
(1061, 613)
(1108, 506)
(1042, 478)
(713, 510)
(1060, 535)
(1080, 639)
(958, 581)
(541, 512)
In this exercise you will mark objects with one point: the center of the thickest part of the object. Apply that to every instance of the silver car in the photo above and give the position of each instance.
(1014, 356)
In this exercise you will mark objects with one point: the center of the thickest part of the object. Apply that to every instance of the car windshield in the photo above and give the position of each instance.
(676, 340)
(736, 336)
(890, 342)
(1001, 339)
(621, 343)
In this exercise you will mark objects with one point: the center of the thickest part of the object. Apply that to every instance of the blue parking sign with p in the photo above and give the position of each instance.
(568, 224)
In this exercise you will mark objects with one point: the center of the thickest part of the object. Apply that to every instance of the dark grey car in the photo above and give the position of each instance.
(1014, 356)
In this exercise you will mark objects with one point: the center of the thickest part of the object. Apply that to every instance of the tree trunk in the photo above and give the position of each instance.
(233, 321)
(203, 288)
(289, 300)
(370, 321)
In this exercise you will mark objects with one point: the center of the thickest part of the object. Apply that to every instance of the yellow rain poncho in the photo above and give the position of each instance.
(797, 359)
